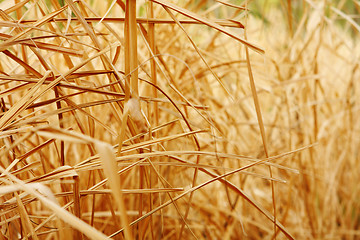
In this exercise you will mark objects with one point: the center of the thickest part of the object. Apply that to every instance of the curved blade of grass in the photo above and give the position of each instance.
(108, 160)
(66, 216)
(233, 187)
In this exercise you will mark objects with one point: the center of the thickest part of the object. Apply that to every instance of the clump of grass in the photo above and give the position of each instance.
(162, 120)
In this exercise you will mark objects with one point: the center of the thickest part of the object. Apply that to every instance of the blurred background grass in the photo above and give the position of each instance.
(308, 87)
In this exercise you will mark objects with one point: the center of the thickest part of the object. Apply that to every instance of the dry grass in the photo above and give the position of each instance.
(173, 120)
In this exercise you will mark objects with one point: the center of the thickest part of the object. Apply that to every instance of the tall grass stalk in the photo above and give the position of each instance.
(179, 120)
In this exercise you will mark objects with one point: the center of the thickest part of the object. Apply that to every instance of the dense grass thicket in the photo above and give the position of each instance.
(179, 119)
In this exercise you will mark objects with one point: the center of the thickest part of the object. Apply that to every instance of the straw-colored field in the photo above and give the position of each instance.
(165, 119)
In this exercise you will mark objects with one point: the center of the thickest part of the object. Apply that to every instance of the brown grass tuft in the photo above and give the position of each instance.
(169, 120)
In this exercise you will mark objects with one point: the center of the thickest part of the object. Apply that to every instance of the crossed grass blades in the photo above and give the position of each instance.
(162, 120)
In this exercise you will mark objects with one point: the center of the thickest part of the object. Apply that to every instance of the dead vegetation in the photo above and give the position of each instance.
(178, 120)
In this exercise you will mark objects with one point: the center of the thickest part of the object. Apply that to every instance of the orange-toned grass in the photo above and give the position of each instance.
(171, 120)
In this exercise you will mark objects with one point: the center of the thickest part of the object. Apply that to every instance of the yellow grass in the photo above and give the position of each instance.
(179, 120)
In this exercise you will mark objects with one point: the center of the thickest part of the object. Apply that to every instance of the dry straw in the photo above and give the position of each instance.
(168, 120)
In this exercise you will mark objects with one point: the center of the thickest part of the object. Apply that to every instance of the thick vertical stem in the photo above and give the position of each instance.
(131, 85)
(153, 63)
(127, 52)
(131, 60)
